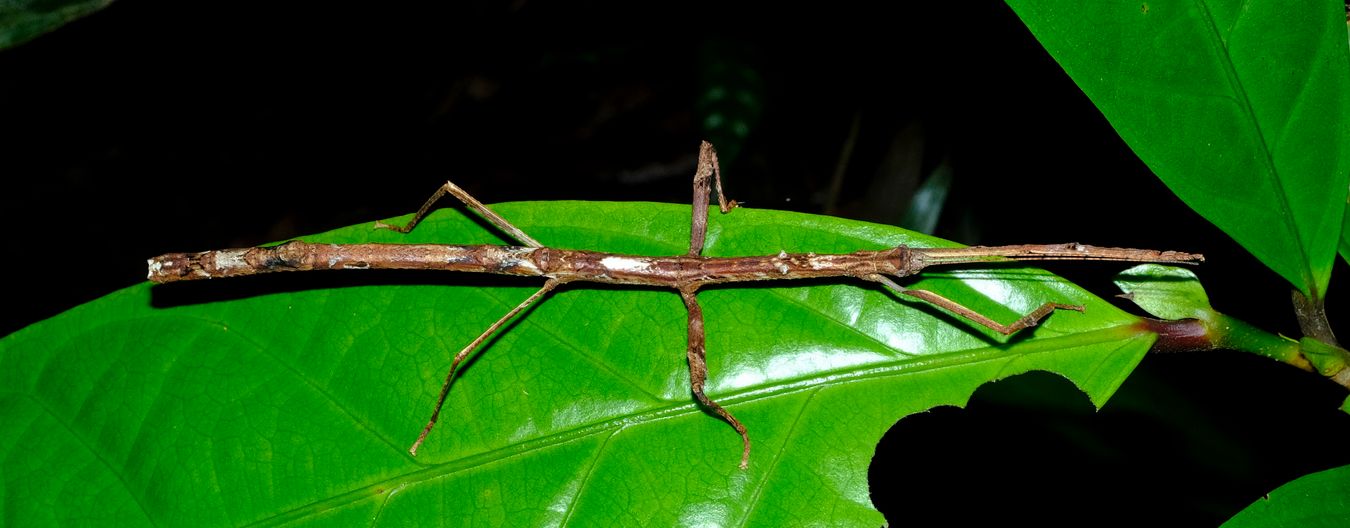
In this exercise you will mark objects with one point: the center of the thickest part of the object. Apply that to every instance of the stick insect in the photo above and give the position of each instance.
(685, 273)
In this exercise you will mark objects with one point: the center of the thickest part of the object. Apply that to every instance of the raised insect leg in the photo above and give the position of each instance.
(474, 204)
(450, 376)
(698, 371)
(1026, 321)
(707, 170)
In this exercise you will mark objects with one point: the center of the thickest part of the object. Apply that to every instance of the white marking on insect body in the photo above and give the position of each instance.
(624, 264)
(458, 256)
(520, 257)
(780, 262)
(525, 263)
(231, 259)
(155, 266)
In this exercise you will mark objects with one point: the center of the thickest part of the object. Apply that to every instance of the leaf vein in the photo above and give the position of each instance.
(1267, 156)
(778, 455)
(56, 417)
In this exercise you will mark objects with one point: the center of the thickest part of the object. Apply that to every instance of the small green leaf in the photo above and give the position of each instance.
(1311, 501)
(1165, 292)
(1239, 106)
(24, 20)
(295, 403)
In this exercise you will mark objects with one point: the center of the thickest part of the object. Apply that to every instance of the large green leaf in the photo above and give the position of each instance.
(1312, 501)
(281, 404)
(1240, 106)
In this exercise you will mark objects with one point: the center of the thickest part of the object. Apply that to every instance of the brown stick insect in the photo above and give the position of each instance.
(684, 273)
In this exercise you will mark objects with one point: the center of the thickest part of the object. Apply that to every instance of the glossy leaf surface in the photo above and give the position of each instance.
(292, 398)
(1311, 501)
(1241, 107)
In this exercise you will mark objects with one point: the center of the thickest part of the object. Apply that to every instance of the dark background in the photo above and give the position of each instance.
(158, 126)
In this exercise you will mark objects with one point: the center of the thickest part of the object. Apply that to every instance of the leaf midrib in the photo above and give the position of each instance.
(1245, 104)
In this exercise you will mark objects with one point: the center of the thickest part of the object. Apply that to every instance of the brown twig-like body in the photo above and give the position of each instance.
(685, 273)
(570, 265)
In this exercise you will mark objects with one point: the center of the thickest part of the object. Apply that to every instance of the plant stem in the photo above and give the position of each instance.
(1312, 318)
(1215, 331)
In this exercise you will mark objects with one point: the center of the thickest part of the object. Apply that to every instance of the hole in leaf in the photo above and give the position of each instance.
(1190, 438)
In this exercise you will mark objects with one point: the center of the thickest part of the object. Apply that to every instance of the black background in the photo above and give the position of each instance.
(171, 126)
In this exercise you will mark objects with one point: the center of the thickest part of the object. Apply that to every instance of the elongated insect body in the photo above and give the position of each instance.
(685, 273)
(569, 265)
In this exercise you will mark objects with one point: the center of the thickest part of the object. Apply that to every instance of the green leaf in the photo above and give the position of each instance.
(24, 20)
(1311, 501)
(292, 398)
(1165, 292)
(1240, 107)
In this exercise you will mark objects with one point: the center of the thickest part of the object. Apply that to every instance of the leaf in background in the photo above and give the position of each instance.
(24, 20)
(1238, 106)
(292, 398)
(1311, 501)
(926, 207)
(731, 96)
